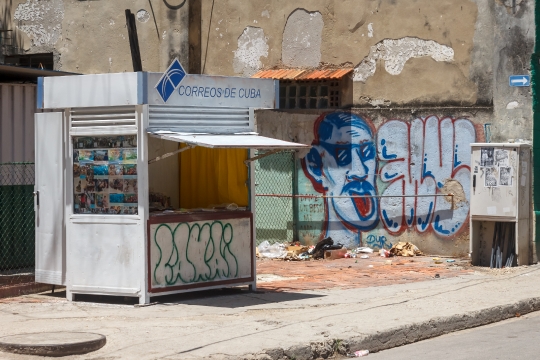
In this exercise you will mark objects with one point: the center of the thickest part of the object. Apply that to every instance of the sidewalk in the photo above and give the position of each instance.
(302, 324)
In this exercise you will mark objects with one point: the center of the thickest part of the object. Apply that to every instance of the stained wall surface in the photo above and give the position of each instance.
(403, 52)
(91, 36)
(429, 78)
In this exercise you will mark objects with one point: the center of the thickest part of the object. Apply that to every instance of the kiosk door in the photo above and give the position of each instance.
(49, 198)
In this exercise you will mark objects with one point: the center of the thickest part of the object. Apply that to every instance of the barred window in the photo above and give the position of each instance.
(320, 94)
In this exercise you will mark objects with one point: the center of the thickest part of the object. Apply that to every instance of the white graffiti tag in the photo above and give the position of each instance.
(425, 157)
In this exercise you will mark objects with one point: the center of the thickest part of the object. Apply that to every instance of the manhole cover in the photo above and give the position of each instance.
(52, 343)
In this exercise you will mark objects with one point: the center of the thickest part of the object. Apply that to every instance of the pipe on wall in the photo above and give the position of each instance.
(535, 78)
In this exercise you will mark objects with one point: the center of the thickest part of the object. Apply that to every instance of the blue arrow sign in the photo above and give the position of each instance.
(520, 80)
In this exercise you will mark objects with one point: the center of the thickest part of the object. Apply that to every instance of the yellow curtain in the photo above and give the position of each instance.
(213, 177)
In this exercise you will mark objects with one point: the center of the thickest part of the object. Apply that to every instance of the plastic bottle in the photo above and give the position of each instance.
(359, 353)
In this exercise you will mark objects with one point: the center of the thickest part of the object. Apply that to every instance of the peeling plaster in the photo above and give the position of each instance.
(143, 15)
(370, 30)
(252, 45)
(395, 53)
(512, 105)
(379, 102)
(41, 20)
(265, 13)
(302, 38)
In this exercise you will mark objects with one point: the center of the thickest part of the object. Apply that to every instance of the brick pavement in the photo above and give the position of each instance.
(279, 275)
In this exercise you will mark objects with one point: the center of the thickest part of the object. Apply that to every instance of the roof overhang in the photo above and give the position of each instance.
(11, 73)
(233, 141)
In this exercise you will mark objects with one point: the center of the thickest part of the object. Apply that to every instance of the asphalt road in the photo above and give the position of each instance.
(517, 338)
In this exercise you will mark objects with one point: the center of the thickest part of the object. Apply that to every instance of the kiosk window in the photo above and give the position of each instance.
(105, 175)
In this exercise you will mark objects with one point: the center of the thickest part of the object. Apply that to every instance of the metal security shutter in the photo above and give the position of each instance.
(193, 119)
(114, 119)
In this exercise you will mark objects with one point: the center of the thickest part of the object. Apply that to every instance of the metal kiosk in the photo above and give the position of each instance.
(111, 182)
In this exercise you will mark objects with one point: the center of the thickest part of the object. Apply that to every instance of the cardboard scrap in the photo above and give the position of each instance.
(405, 249)
(296, 249)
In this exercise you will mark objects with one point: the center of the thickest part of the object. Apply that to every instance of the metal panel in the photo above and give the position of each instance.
(17, 108)
(247, 141)
(106, 254)
(496, 201)
(90, 90)
(193, 119)
(98, 120)
(49, 200)
(201, 250)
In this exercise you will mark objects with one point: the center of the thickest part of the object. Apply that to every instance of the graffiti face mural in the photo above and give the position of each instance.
(342, 163)
(406, 162)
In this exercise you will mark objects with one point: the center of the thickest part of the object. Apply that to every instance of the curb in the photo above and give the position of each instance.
(23, 289)
(398, 336)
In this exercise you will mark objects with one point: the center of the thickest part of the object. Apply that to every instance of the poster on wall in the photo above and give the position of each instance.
(491, 177)
(486, 156)
(501, 157)
(505, 176)
(105, 175)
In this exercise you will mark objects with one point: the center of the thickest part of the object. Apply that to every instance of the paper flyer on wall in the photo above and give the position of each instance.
(486, 156)
(490, 176)
(505, 175)
(501, 157)
(497, 168)
(105, 175)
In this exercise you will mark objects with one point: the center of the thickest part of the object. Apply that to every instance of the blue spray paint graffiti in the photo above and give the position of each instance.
(378, 242)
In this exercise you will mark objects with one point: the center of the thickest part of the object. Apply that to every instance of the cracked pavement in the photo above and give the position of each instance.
(233, 322)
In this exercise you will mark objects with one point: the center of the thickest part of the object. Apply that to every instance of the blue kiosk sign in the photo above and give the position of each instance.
(175, 87)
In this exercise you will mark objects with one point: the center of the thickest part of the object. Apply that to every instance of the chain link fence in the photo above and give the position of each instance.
(17, 236)
(274, 220)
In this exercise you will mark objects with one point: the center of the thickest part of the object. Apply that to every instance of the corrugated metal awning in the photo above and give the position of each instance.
(303, 74)
(238, 141)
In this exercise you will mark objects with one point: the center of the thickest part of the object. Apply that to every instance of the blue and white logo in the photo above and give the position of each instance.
(170, 80)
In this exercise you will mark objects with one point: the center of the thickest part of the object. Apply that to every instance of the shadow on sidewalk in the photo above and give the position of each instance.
(228, 298)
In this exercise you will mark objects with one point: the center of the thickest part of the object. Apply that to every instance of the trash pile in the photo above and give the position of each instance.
(326, 249)
(405, 249)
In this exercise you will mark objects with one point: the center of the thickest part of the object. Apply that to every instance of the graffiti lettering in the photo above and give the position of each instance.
(193, 252)
(426, 156)
(378, 242)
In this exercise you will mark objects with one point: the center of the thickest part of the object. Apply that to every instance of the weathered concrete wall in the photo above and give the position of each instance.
(91, 36)
(380, 153)
(513, 46)
(404, 52)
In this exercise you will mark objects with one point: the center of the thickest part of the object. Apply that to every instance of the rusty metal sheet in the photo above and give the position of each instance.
(302, 74)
